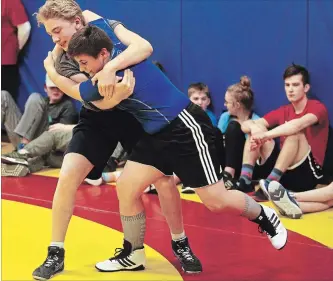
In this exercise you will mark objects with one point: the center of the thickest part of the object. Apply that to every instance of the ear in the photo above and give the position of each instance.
(208, 101)
(307, 88)
(104, 52)
(78, 23)
(45, 88)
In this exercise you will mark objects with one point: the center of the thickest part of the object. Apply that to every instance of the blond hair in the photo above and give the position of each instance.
(242, 92)
(59, 9)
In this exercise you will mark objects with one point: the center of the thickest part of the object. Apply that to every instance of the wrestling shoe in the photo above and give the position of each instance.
(124, 260)
(188, 261)
(270, 223)
(53, 264)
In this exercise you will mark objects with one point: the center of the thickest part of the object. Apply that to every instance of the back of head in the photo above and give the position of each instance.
(296, 69)
(242, 92)
(89, 40)
(59, 9)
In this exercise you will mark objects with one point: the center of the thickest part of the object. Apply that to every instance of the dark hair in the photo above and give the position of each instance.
(295, 69)
(242, 92)
(159, 65)
(89, 40)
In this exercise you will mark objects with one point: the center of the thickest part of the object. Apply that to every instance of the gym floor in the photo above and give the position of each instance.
(230, 248)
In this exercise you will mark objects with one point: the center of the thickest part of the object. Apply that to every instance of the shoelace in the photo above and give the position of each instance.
(50, 260)
(186, 253)
(117, 254)
(273, 230)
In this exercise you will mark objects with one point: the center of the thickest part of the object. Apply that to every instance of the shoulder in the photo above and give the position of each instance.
(316, 104)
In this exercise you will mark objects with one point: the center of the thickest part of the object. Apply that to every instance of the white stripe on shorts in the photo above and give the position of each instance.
(206, 160)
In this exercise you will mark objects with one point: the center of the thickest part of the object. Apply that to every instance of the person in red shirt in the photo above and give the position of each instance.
(302, 127)
(15, 31)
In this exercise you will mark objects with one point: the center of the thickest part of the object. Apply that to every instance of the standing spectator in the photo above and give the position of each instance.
(15, 31)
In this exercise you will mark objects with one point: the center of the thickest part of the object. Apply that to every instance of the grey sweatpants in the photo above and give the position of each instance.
(10, 116)
(51, 146)
(31, 124)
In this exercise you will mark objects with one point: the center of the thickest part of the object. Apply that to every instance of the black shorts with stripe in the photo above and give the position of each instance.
(302, 176)
(185, 147)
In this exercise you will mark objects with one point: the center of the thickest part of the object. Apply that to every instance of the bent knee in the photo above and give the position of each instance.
(34, 99)
(216, 206)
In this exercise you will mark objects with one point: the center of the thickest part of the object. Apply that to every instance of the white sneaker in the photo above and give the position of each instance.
(281, 198)
(124, 260)
(277, 234)
(187, 190)
(97, 182)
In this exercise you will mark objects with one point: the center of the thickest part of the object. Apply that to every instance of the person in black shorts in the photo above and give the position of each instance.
(98, 132)
(180, 139)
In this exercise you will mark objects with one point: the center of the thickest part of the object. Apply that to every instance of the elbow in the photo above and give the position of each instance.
(146, 48)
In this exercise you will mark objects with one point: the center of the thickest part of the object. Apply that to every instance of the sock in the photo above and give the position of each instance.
(246, 173)
(134, 228)
(177, 237)
(57, 244)
(251, 208)
(275, 175)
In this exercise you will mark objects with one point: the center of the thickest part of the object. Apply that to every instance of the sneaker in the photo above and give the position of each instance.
(189, 262)
(273, 227)
(97, 182)
(245, 187)
(124, 260)
(53, 264)
(187, 190)
(15, 170)
(15, 158)
(151, 189)
(259, 196)
(281, 198)
(263, 184)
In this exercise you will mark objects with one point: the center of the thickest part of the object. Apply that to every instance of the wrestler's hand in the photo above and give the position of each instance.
(49, 62)
(122, 89)
(60, 127)
(125, 88)
(106, 81)
(56, 52)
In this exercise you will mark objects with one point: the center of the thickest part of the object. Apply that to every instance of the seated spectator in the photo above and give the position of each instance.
(302, 127)
(239, 103)
(48, 150)
(39, 114)
(199, 94)
(295, 204)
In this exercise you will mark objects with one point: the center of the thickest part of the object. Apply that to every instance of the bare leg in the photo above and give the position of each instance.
(311, 207)
(168, 192)
(218, 199)
(74, 169)
(293, 151)
(322, 194)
